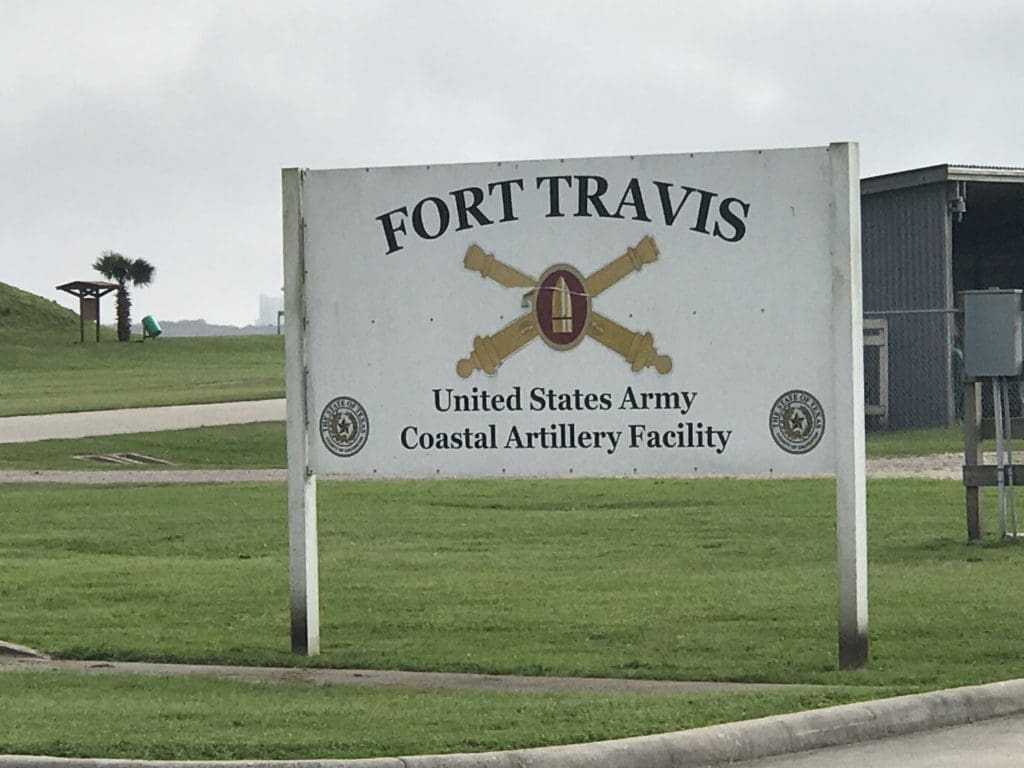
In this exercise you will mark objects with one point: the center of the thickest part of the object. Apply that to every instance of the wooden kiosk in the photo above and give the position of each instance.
(88, 293)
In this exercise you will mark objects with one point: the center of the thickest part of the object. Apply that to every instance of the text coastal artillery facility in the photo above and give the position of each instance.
(682, 315)
(563, 434)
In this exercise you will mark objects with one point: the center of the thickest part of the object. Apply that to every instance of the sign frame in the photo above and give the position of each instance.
(846, 418)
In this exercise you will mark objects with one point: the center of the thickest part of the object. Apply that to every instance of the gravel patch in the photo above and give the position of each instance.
(940, 466)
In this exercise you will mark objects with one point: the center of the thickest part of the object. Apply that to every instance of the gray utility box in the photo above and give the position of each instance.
(993, 344)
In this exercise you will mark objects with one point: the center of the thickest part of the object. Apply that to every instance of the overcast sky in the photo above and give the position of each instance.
(158, 129)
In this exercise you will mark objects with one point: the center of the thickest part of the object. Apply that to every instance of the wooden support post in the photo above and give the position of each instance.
(972, 456)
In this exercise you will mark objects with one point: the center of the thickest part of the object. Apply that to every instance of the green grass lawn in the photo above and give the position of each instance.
(45, 376)
(916, 442)
(658, 579)
(708, 579)
(698, 579)
(260, 445)
(186, 718)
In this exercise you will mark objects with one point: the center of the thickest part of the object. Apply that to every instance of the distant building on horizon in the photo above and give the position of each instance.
(269, 307)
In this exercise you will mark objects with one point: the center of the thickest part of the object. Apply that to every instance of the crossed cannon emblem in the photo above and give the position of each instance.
(561, 311)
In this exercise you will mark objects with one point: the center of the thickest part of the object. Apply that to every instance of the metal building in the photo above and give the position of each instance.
(927, 234)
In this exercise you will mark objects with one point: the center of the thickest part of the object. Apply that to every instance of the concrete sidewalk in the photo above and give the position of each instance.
(385, 678)
(26, 429)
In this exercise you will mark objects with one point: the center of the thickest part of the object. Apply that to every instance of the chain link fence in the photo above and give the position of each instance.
(913, 368)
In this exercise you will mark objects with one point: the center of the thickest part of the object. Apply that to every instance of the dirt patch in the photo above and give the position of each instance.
(15, 652)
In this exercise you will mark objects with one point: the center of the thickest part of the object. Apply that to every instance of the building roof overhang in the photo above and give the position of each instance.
(934, 174)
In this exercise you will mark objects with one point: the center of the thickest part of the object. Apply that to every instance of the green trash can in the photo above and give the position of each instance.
(150, 327)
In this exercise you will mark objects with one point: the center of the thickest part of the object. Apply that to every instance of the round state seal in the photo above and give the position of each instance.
(344, 426)
(797, 421)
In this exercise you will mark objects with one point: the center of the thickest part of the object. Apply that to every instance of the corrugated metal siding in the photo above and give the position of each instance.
(905, 259)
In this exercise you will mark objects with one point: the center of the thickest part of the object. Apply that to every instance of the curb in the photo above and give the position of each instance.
(709, 746)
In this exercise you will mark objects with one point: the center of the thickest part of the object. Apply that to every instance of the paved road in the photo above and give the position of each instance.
(25, 429)
(989, 744)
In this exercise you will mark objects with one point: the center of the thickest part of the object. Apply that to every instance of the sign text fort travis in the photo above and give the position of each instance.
(701, 210)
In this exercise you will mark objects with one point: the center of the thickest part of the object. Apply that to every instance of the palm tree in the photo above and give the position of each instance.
(123, 270)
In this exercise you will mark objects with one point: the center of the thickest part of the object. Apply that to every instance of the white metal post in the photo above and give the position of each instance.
(302, 531)
(848, 416)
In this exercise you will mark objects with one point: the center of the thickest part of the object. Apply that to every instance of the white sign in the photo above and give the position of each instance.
(647, 315)
(675, 314)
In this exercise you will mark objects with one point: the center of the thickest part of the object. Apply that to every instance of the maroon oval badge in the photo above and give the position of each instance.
(561, 307)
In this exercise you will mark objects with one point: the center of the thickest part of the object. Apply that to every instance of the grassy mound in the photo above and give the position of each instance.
(25, 316)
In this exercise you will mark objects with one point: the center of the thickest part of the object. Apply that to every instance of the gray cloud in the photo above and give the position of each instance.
(159, 129)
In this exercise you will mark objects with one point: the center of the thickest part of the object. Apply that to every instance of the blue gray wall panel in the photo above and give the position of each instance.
(907, 274)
